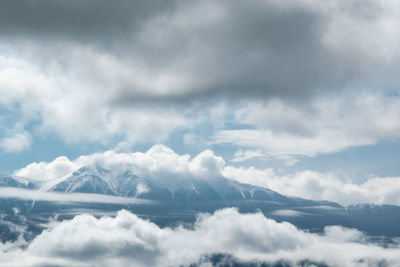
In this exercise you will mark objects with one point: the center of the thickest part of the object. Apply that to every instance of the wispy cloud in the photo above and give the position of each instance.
(16, 143)
(38, 195)
(329, 124)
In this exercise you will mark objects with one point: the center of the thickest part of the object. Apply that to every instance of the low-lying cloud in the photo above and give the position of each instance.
(127, 240)
(38, 195)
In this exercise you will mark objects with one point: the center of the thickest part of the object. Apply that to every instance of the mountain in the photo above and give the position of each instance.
(84, 181)
(14, 181)
(179, 199)
(193, 191)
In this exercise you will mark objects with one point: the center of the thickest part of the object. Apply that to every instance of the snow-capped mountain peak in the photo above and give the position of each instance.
(189, 190)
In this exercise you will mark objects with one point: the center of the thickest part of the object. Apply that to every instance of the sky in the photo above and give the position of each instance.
(293, 87)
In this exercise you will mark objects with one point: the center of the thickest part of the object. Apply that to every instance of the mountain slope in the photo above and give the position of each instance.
(84, 181)
(181, 199)
(13, 181)
(190, 191)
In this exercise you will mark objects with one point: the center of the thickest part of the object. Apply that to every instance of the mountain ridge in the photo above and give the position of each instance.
(182, 201)
(96, 179)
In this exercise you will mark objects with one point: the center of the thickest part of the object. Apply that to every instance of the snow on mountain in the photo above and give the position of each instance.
(85, 180)
(14, 181)
(96, 179)
(178, 199)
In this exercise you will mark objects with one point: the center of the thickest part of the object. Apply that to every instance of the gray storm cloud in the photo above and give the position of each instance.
(199, 49)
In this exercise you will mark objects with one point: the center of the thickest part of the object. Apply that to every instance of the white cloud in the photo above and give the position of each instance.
(128, 240)
(75, 109)
(159, 162)
(321, 186)
(16, 143)
(38, 195)
(285, 146)
(45, 171)
(244, 155)
(288, 131)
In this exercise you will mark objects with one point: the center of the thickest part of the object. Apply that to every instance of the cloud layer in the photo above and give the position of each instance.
(38, 195)
(129, 240)
(142, 71)
(189, 49)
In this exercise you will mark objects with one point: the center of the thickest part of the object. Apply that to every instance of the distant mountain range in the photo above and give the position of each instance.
(191, 191)
(180, 199)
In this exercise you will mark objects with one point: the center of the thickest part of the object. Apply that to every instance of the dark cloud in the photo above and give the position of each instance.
(77, 19)
(206, 49)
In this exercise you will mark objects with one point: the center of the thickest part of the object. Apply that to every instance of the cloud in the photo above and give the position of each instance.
(289, 131)
(128, 240)
(58, 19)
(38, 195)
(203, 48)
(55, 102)
(159, 162)
(44, 171)
(16, 143)
(242, 155)
(321, 186)
(138, 73)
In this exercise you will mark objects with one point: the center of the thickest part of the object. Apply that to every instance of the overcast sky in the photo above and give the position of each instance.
(294, 86)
